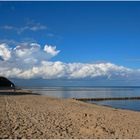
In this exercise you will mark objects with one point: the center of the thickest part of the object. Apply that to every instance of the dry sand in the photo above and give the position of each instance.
(32, 116)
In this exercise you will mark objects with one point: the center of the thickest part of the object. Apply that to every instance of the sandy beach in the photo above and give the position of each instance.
(34, 116)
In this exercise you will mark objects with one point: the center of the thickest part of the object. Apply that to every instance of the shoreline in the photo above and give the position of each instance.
(30, 92)
(17, 92)
(31, 116)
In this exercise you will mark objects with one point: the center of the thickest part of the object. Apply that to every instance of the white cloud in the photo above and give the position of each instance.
(26, 53)
(5, 52)
(29, 27)
(52, 70)
(26, 50)
(30, 60)
(51, 50)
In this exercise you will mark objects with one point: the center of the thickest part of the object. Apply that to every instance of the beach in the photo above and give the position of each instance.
(36, 116)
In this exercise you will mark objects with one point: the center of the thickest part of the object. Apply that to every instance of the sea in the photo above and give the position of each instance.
(95, 92)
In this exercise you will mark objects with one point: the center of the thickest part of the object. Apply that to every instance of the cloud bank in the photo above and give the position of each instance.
(28, 61)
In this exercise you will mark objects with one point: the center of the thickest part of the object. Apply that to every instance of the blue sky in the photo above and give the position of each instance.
(83, 31)
(70, 40)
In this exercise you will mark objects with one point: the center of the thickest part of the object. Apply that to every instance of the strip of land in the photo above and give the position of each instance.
(34, 116)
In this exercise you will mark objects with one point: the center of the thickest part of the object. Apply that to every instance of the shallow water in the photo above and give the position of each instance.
(95, 92)
(123, 104)
(87, 92)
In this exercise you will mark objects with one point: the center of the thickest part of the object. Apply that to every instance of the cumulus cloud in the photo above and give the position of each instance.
(59, 69)
(51, 50)
(5, 52)
(28, 54)
(52, 70)
(30, 60)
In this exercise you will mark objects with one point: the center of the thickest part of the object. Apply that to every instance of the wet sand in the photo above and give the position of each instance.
(33, 116)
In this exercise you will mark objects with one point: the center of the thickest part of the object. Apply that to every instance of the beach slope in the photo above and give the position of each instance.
(32, 116)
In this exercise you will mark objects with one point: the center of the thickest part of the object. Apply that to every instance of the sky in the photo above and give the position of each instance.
(70, 40)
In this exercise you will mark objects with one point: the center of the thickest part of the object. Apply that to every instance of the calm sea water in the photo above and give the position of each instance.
(95, 92)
